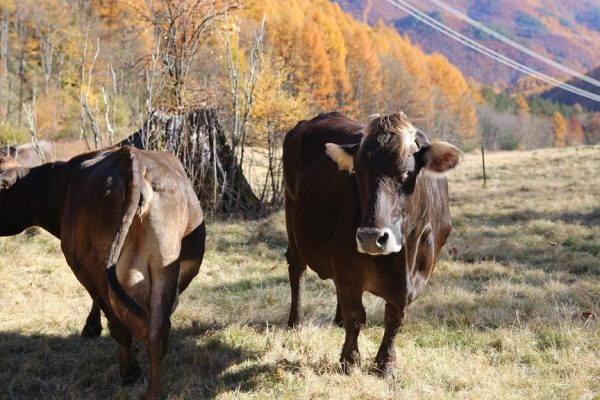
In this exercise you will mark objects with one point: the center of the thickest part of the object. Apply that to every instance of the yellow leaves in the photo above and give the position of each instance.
(521, 103)
(54, 111)
(559, 129)
(275, 110)
(336, 62)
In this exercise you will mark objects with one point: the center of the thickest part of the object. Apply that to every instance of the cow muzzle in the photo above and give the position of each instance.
(377, 241)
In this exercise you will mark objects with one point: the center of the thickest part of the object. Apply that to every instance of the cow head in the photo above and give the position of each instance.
(386, 164)
(8, 162)
(7, 179)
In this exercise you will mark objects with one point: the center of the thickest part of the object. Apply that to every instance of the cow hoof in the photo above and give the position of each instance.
(132, 375)
(295, 322)
(384, 369)
(350, 362)
(91, 332)
(152, 396)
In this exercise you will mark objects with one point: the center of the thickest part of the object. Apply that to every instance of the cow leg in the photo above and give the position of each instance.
(338, 319)
(296, 270)
(129, 369)
(385, 360)
(354, 318)
(93, 325)
(164, 292)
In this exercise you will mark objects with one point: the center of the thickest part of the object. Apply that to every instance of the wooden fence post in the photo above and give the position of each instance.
(483, 162)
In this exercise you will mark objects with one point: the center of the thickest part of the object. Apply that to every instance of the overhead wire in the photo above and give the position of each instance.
(416, 13)
(514, 44)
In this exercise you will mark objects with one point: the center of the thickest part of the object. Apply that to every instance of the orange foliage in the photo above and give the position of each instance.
(344, 64)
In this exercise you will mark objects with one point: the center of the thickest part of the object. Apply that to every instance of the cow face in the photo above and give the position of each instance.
(7, 179)
(386, 164)
(8, 162)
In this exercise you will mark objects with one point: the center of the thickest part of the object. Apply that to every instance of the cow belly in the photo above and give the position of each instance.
(318, 261)
(188, 269)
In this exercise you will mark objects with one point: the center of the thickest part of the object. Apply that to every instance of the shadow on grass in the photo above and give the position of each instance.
(68, 367)
(496, 219)
(269, 232)
(505, 238)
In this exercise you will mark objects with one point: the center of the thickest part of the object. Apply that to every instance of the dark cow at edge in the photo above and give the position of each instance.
(368, 208)
(132, 231)
(25, 155)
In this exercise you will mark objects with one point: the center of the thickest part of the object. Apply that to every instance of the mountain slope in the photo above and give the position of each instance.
(567, 32)
(560, 96)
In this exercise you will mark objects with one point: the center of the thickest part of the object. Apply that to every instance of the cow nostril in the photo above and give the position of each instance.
(382, 240)
(359, 237)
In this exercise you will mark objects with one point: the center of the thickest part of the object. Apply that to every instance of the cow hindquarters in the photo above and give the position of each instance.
(385, 361)
(163, 297)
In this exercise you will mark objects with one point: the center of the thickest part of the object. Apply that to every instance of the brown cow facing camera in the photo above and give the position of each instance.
(368, 208)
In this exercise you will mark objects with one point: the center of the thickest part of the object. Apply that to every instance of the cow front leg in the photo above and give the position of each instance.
(129, 370)
(385, 361)
(338, 319)
(296, 270)
(164, 293)
(93, 324)
(354, 319)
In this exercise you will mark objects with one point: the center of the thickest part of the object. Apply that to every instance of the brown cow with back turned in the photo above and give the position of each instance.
(132, 231)
(368, 208)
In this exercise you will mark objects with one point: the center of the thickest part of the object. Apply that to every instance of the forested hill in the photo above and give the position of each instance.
(561, 96)
(315, 57)
(565, 31)
(345, 64)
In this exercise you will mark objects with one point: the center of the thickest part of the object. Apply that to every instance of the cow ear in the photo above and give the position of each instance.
(8, 178)
(342, 154)
(440, 157)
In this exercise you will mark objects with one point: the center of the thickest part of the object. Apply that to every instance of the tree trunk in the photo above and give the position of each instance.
(198, 140)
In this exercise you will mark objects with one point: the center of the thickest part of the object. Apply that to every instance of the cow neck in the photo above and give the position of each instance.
(44, 188)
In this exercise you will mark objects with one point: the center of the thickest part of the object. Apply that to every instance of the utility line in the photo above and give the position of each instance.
(514, 44)
(409, 9)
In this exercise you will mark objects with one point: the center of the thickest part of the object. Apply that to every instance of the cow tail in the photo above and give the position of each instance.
(133, 177)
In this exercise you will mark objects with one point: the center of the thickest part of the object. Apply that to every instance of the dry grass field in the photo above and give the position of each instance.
(512, 312)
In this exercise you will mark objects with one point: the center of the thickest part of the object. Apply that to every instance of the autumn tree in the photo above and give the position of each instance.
(521, 126)
(181, 27)
(559, 129)
(275, 111)
(314, 67)
(575, 135)
(363, 68)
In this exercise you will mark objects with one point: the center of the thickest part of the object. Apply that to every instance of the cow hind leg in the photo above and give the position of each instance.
(93, 324)
(296, 270)
(385, 360)
(164, 293)
(129, 370)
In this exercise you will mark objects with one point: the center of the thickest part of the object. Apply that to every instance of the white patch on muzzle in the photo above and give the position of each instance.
(373, 247)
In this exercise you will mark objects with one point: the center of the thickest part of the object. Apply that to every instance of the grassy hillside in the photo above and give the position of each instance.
(511, 312)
